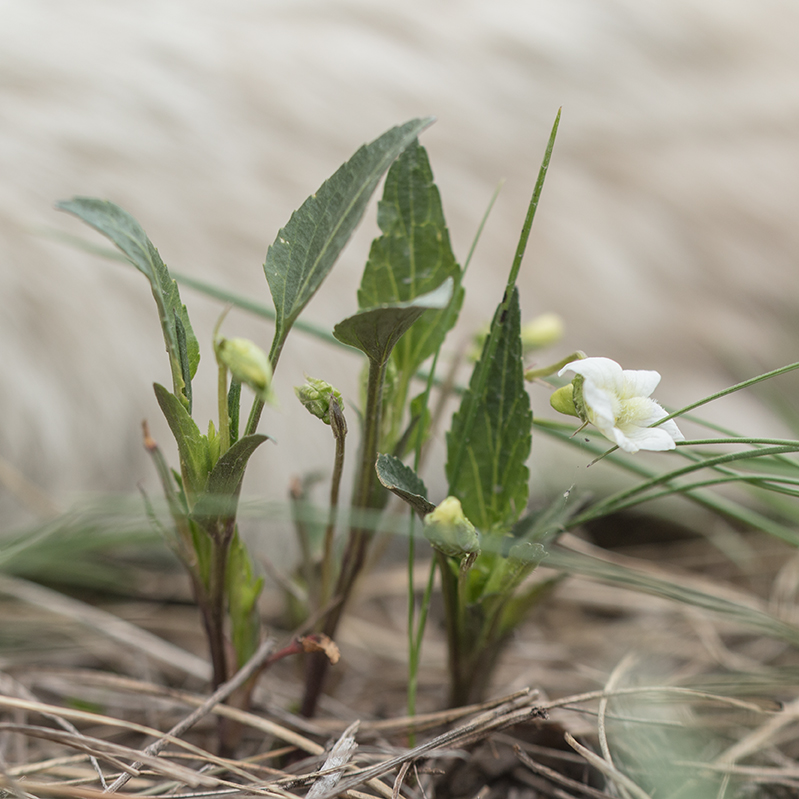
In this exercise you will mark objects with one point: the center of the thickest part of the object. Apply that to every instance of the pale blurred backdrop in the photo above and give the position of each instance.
(666, 236)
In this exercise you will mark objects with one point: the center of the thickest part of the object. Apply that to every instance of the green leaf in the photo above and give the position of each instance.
(307, 247)
(490, 438)
(218, 503)
(195, 461)
(509, 572)
(127, 234)
(376, 331)
(404, 482)
(226, 477)
(413, 255)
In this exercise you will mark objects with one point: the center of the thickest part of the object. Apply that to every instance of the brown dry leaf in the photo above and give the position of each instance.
(321, 643)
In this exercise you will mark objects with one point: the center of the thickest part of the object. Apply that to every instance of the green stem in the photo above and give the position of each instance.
(728, 508)
(608, 505)
(364, 497)
(737, 387)
(258, 404)
(415, 641)
(338, 424)
(214, 616)
(224, 414)
(533, 207)
(493, 340)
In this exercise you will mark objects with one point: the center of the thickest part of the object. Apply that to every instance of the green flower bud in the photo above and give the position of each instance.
(449, 531)
(569, 399)
(248, 364)
(315, 396)
(541, 332)
(562, 400)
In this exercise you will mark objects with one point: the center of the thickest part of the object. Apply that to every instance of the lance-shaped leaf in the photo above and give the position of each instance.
(195, 461)
(377, 330)
(308, 246)
(218, 503)
(490, 438)
(127, 234)
(413, 256)
(403, 481)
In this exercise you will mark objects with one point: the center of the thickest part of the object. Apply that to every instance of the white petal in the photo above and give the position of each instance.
(604, 372)
(651, 438)
(639, 382)
(603, 405)
(638, 412)
(671, 428)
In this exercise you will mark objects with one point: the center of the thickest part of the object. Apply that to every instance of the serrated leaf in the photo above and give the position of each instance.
(490, 438)
(195, 461)
(219, 500)
(126, 233)
(403, 481)
(376, 331)
(413, 255)
(307, 247)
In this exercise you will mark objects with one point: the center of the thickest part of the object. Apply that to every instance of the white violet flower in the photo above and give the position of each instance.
(617, 402)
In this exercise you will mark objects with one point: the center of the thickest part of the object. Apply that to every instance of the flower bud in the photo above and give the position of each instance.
(449, 531)
(315, 396)
(541, 332)
(562, 400)
(248, 364)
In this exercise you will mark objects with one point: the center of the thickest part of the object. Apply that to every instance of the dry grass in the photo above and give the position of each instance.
(606, 692)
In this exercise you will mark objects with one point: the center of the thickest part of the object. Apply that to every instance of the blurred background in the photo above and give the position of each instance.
(665, 239)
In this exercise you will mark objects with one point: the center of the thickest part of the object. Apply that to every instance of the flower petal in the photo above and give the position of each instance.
(633, 424)
(619, 405)
(603, 372)
(651, 438)
(602, 404)
(639, 383)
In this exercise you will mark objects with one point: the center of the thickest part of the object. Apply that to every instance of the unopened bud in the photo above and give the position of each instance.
(248, 364)
(449, 531)
(315, 396)
(562, 400)
(541, 332)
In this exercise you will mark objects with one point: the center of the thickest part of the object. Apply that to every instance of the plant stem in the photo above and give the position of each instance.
(364, 497)
(338, 425)
(717, 504)
(214, 615)
(737, 387)
(609, 504)
(224, 415)
(415, 637)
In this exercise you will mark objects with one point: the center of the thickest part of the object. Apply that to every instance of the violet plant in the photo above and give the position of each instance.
(486, 541)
